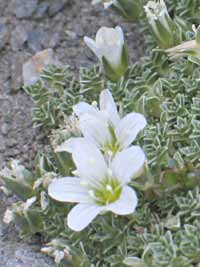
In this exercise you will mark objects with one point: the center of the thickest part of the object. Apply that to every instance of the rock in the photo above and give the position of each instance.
(24, 8)
(4, 35)
(4, 128)
(33, 67)
(16, 70)
(5, 74)
(42, 10)
(2, 144)
(56, 6)
(18, 37)
(55, 40)
(15, 254)
(12, 142)
(37, 40)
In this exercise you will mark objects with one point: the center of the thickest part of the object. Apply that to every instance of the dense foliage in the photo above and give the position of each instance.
(164, 231)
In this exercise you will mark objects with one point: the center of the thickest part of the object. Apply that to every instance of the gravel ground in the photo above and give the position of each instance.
(27, 27)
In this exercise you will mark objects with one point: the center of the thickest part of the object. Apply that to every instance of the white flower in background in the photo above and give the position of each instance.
(104, 127)
(160, 22)
(107, 3)
(110, 49)
(99, 186)
(131, 10)
(189, 48)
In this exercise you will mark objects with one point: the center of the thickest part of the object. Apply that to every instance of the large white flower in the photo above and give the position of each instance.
(104, 126)
(99, 186)
(110, 49)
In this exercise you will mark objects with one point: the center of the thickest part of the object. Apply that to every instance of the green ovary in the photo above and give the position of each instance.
(108, 192)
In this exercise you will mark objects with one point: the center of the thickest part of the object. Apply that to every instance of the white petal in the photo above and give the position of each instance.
(68, 189)
(82, 215)
(95, 128)
(121, 34)
(82, 108)
(129, 127)
(126, 204)
(128, 164)
(107, 104)
(93, 46)
(113, 54)
(108, 41)
(88, 159)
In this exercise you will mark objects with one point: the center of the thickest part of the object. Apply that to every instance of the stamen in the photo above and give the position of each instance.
(109, 188)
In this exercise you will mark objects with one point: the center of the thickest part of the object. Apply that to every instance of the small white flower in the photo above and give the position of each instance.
(109, 47)
(156, 10)
(104, 127)
(189, 48)
(99, 187)
(109, 44)
(160, 22)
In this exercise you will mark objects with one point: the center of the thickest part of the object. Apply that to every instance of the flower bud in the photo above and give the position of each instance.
(161, 24)
(188, 48)
(110, 49)
(131, 10)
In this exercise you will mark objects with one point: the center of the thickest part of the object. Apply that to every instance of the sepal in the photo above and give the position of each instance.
(115, 73)
(131, 10)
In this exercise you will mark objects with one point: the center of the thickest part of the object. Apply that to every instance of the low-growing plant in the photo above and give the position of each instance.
(146, 194)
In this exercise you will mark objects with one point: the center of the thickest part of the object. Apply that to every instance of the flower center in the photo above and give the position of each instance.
(109, 191)
(112, 146)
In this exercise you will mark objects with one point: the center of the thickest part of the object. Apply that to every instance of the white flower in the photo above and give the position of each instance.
(110, 49)
(160, 22)
(104, 127)
(189, 48)
(156, 10)
(99, 186)
(109, 43)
